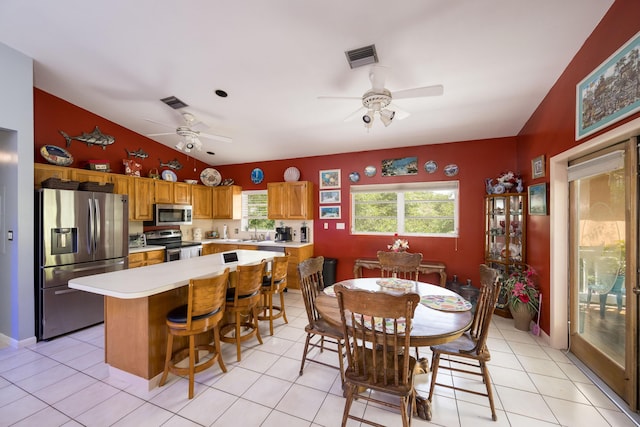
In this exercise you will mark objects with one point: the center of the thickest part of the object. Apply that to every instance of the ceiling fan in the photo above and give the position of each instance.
(189, 134)
(377, 100)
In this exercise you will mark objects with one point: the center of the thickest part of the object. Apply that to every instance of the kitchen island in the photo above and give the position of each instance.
(137, 301)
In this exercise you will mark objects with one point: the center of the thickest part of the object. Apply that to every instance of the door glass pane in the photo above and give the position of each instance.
(601, 262)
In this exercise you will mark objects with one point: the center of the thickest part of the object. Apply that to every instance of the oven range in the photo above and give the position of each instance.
(175, 247)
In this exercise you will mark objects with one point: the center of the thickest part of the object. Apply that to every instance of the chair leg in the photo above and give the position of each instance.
(192, 357)
(435, 363)
(341, 360)
(270, 302)
(238, 350)
(350, 392)
(304, 353)
(167, 360)
(216, 343)
(254, 313)
(487, 381)
(284, 312)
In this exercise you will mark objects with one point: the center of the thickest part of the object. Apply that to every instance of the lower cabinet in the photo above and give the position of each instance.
(297, 255)
(141, 259)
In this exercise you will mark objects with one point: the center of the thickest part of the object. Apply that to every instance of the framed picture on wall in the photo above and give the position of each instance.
(609, 93)
(330, 178)
(329, 196)
(538, 199)
(330, 212)
(538, 167)
(396, 167)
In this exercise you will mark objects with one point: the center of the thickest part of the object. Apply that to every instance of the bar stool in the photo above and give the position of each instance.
(271, 285)
(242, 301)
(202, 313)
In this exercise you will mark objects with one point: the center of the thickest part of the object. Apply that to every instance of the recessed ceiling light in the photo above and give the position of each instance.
(221, 93)
(211, 152)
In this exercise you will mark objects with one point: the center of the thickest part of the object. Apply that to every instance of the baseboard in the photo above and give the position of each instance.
(6, 341)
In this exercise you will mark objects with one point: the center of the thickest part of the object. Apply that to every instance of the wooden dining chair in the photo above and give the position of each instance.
(202, 313)
(242, 302)
(376, 327)
(274, 284)
(399, 264)
(469, 353)
(311, 284)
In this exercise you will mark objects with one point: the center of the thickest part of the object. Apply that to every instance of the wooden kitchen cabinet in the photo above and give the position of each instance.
(122, 184)
(142, 200)
(82, 175)
(227, 202)
(141, 259)
(43, 172)
(163, 191)
(202, 201)
(182, 193)
(290, 200)
(297, 255)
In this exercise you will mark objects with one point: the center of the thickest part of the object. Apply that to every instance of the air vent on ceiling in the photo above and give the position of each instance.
(362, 56)
(174, 102)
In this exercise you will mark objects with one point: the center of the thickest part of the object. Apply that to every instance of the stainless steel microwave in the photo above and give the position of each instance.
(172, 214)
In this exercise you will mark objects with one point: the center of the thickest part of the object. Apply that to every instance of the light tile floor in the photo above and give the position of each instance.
(66, 382)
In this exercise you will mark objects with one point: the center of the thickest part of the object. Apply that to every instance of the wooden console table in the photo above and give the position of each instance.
(426, 267)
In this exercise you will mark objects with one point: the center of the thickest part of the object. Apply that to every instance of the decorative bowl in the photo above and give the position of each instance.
(191, 181)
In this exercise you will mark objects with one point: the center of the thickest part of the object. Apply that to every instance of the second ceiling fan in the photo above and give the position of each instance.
(377, 100)
(189, 133)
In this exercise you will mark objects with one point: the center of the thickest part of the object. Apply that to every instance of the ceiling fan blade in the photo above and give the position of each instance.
(160, 134)
(339, 97)
(400, 113)
(419, 92)
(378, 75)
(358, 113)
(161, 124)
(215, 137)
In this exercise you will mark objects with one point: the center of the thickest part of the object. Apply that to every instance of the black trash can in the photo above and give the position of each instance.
(329, 271)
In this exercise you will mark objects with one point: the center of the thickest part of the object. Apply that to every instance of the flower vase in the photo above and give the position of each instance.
(522, 316)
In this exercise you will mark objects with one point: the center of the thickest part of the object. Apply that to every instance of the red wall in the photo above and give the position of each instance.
(551, 129)
(477, 160)
(52, 115)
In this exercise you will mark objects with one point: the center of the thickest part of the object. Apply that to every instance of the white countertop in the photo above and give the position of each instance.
(154, 279)
(256, 243)
(146, 249)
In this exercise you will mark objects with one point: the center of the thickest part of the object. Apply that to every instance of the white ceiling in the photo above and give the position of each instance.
(497, 59)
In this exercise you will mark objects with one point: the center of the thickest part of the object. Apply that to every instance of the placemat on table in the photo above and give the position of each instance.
(395, 283)
(446, 302)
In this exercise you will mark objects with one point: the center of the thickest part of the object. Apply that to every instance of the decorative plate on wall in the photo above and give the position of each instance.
(451, 170)
(56, 155)
(354, 177)
(370, 171)
(291, 174)
(169, 175)
(431, 166)
(257, 176)
(210, 177)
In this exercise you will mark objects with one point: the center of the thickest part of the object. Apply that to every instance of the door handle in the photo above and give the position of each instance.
(636, 291)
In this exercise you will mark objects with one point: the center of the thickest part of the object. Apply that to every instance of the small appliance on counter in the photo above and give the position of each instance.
(197, 234)
(304, 234)
(283, 234)
(138, 240)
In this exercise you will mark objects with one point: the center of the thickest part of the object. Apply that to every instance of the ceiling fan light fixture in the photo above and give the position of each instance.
(386, 116)
(180, 145)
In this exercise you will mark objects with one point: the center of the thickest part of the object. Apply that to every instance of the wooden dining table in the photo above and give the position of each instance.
(429, 326)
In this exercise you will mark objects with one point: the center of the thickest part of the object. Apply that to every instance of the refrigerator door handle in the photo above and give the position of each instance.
(91, 232)
(98, 230)
(66, 291)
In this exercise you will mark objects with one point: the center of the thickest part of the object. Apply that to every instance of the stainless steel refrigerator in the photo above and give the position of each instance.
(78, 233)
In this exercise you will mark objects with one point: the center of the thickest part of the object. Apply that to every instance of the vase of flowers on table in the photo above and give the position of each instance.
(398, 245)
(523, 296)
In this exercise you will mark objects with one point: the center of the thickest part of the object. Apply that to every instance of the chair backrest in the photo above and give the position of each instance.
(279, 268)
(379, 321)
(311, 283)
(489, 291)
(399, 264)
(206, 295)
(249, 281)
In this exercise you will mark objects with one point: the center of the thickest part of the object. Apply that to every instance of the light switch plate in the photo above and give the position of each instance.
(10, 235)
(340, 226)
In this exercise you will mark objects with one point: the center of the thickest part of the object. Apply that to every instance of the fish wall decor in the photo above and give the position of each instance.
(94, 138)
(139, 153)
(173, 164)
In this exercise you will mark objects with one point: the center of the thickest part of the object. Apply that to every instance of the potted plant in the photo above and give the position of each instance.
(399, 245)
(523, 296)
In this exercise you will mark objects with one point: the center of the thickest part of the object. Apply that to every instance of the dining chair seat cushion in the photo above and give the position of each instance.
(231, 292)
(266, 282)
(179, 314)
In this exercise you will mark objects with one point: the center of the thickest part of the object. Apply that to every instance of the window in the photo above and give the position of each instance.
(418, 209)
(254, 211)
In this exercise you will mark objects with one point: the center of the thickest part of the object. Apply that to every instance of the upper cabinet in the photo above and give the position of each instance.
(182, 193)
(163, 191)
(290, 200)
(202, 201)
(142, 200)
(42, 172)
(227, 202)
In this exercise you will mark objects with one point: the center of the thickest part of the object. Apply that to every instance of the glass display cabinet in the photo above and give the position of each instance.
(505, 235)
